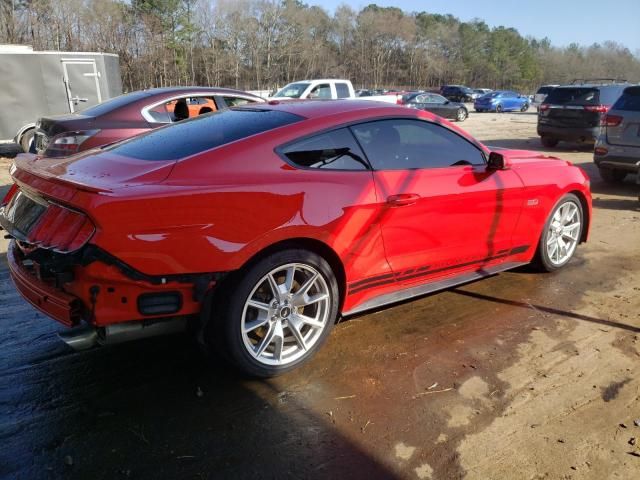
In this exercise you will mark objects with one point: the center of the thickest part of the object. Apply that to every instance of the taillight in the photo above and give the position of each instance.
(61, 229)
(600, 151)
(597, 108)
(68, 143)
(544, 107)
(612, 120)
(13, 189)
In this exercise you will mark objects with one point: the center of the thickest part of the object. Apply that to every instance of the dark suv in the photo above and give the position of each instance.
(617, 151)
(458, 93)
(575, 112)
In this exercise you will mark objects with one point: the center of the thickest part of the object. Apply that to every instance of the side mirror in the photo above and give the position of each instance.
(497, 162)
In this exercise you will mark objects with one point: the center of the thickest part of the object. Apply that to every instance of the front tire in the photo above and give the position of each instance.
(276, 313)
(499, 109)
(525, 107)
(561, 234)
(461, 114)
(610, 175)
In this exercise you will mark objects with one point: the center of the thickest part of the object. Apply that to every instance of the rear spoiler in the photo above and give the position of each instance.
(25, 166)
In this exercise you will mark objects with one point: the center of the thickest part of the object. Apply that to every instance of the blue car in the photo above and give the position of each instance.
(502, 101)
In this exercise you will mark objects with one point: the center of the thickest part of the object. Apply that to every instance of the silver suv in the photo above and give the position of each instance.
(617, 149)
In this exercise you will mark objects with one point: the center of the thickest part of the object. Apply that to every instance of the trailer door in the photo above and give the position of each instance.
(82, 82)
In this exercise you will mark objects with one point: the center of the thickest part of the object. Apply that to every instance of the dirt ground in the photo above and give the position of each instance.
(519, 376)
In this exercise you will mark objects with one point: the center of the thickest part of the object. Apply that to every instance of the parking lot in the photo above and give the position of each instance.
(521, 375)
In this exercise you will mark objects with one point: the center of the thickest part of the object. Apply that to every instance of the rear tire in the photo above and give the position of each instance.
(525, 107)
(548, 141)
(461, 114)
(610, 175)
(258, 321)
(561, 234)
(26, 139)
(499, 109)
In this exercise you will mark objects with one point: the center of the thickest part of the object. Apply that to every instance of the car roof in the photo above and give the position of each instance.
(219, 90)
(322, 108)
(596, 85)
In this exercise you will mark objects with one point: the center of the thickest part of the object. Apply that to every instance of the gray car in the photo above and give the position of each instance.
(617, 149)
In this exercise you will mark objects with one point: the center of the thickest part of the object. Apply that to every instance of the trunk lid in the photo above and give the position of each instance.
(49, 127)
(94, 170)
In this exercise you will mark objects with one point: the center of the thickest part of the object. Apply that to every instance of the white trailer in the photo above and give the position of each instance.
(36, 84)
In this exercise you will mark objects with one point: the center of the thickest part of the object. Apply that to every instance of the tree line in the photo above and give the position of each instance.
(263, 44)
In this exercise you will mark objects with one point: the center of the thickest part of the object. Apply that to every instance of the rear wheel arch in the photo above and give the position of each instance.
(316, 246)
(30, 129)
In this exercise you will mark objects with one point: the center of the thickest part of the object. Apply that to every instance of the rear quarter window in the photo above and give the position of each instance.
(202, 133)
(629, 101)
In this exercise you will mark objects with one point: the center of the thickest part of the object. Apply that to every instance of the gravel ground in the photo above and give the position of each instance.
(522, 375)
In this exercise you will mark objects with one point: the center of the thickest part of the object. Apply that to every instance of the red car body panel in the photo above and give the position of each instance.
(220, 208)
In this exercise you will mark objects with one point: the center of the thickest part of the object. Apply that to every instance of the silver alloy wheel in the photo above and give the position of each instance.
(563, 233)
(285, 314)
(462, 114)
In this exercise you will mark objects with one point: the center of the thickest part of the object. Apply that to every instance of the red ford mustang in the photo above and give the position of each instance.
(262, 224)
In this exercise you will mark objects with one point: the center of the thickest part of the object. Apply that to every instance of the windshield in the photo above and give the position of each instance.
(492, 95)
(293, 90)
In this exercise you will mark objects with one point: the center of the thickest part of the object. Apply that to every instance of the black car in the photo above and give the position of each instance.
(575, 112)
(458, 93)
(434, 103)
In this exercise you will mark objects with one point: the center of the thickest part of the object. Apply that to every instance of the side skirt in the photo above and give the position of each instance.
(406, 294)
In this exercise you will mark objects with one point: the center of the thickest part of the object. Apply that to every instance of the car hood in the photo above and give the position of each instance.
(521, 157)
(95, 170)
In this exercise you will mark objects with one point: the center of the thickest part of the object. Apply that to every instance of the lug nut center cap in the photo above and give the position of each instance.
(285, 312)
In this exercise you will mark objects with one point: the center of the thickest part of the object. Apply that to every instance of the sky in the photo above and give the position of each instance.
(563, 21)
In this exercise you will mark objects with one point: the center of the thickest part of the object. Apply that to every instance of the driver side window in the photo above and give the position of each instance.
(403, 144)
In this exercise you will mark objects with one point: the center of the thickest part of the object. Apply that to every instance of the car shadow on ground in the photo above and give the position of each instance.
(151, 409)
(545, 309)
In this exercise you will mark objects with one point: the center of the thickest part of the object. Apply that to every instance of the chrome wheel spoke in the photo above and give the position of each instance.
(315, 299)
(307, 285)
(288, 281)
(257, 323)
(273, 285)
(266, 340)
(312, 322)
(259, 305)
(278, 341)
(295, 327)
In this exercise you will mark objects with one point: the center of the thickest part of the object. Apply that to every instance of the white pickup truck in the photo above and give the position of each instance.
(325, 88)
